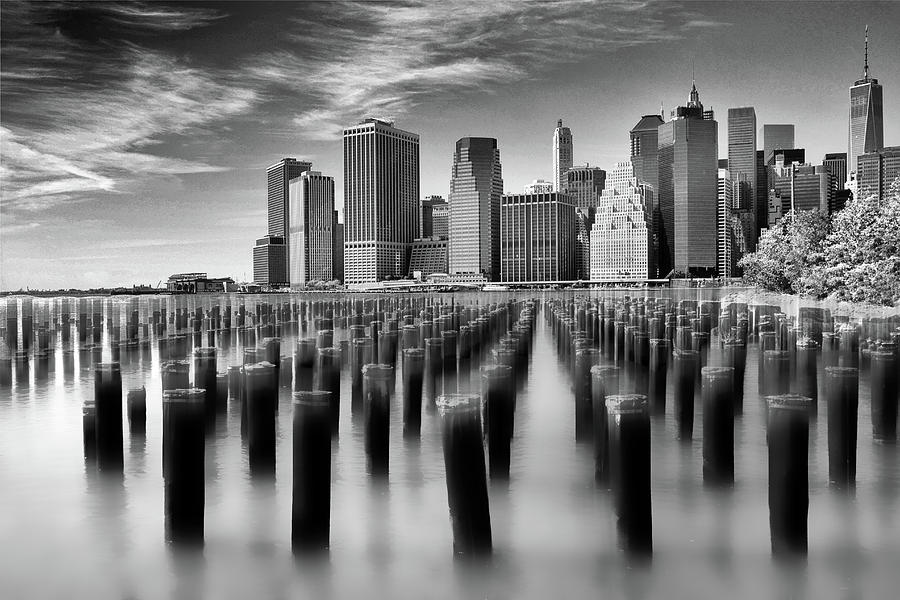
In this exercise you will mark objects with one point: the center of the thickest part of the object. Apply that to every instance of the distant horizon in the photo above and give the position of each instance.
(135, 138)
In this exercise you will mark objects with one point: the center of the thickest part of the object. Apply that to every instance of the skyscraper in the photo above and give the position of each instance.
(585, 184)
(876, 171)
(836, 163)
(584, 222)
(311, 227)
(537, 237)
(742, 154)
(381, 200)
(426, 215)
(728, 200)
(562, 155)
(803, 186)
(621, 247)
(337, 249)
(688, 168)
(644, 150)
(866, 115)
(278, 177)
(270, 261)
(476, 186)
(774, 137)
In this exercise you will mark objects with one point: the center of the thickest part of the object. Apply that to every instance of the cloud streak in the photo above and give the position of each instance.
(383, 59)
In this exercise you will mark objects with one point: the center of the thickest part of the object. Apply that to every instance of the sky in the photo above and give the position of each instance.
(134, 137)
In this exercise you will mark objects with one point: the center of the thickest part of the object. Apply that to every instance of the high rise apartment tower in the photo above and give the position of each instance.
(562, 155)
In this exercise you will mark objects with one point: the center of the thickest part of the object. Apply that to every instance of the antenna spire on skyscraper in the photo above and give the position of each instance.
(866, 64)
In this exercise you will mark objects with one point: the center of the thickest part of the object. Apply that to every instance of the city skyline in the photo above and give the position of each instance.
(167, 172)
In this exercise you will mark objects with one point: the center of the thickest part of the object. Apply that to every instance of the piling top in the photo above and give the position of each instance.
(605, 371)
(806, 343)
(456, 404)
(317, 398)
(363, 341)
(269, 340)
(262, 368)
(736, 342)
(234, 369)
(206, 352)
(414, 353)
(685, 354)
(107, 368)
(790, 402)
(448, 333)
(587, 352)
(378, 371)
(776, 354)
(717, 372)
(332, 353)
(627, 404)
(432, 341)
(882, 354)
(660, 342)
(496, 371)
(175, 366)
(849, 372)
(188, 396)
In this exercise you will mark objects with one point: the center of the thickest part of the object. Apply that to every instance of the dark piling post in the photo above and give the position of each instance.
(842, 396)
(311, 505)
(465, 471)
(409, 337)
(183, 465)
(806, 382)
(434, 369)
(585, 359)
(261, 399)
(718, 425)
(377, 380)
(89, 431)
(883, 383)
(660, 349)
(235, 382)
(629, 460)
(175, 375)
(684, 364)
(362, 353)
(413, 375)
(108, 405)
(604, 383)
(324, 338)
(205, 379)
(448, 342)
(619, 343)
(848, 347)
(498, 393)
(137, 411)
(329, 379)
(734, 355)
(387, 348)
(775, 373)
(304, 364)
(788, 441)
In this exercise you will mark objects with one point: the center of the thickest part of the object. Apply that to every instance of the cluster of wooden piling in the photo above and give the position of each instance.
(465, 362)
(631, 346)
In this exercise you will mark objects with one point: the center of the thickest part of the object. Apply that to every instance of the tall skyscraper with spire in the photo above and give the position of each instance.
(866, 115)
(476, 186)
(688, 190)
(562, 155)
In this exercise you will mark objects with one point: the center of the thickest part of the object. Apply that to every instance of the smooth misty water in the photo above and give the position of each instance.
(68, 533)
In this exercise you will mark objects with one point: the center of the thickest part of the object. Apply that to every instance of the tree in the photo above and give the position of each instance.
(788, 253)
(861, 258)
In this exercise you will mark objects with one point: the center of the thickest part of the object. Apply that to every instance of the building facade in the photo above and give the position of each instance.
(337, 250)
(585, 184)
(866, 131)
(876, 171)
(426, 214)
(562, 155)
(644, 150)
(278, 177)
(742, 154)
(774, 137)
(539, 186)
(270, 261)
(621, 248)
(537, 237)
(729, 199)
(584, 222)
(688, 170)
(311, 226)
(836, 163)
(381, 201)
(803, 187)
(476, 186)
(428, 256)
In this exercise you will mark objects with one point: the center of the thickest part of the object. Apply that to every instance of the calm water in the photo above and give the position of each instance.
(69, 533)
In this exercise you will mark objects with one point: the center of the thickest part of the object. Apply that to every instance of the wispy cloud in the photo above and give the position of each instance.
(382, 59)
(81, 116)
